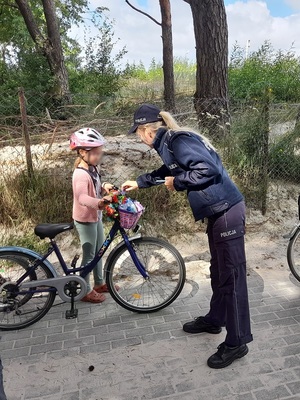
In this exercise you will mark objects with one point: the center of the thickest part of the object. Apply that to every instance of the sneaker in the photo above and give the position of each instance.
(199, 326)
(226, 355)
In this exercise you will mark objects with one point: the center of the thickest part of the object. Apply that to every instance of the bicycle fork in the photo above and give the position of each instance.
(137, 262)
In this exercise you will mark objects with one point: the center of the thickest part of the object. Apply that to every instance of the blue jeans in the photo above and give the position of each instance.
(2, 394)
(91, 237)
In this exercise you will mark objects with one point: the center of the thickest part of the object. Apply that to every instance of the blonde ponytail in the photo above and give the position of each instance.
(171, 124)
(169, 121)
(77, 162)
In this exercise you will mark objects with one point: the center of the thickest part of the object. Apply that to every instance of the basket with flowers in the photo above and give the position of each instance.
(128, 211)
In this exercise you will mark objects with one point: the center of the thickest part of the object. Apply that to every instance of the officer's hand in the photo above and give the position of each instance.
(169, 182)
(129, 185)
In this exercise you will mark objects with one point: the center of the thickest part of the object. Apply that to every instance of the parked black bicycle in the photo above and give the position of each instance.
(293, 250)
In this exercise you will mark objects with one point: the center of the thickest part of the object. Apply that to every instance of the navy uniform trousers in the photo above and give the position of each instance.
(229, 304)
(2, 394)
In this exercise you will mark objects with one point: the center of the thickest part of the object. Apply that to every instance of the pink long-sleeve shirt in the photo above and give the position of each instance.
(85, 199)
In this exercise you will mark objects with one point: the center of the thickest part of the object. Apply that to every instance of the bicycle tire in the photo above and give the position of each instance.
(10, 261)
(292, 257)
(130, 297)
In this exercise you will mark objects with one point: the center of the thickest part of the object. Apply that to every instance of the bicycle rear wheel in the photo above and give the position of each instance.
(164, 265)
(293, 255)
(19, 310)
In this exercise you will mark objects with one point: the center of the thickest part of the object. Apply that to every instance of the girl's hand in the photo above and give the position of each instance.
(129, 185)
(169, 182)
(104, 201)
(107, 187)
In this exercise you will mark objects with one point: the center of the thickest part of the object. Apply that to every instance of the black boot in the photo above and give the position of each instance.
(226, 355)
(199, 325)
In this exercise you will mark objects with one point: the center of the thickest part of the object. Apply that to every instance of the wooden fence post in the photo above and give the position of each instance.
(25, 132)
(265, 150)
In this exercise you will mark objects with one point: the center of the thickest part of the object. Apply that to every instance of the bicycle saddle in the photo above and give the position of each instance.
(51, 230)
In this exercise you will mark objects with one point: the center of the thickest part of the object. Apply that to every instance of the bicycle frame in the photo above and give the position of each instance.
(84, 270)
(292, 232)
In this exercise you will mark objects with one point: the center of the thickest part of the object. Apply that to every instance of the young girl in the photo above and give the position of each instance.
(191, 164)
(87, 203)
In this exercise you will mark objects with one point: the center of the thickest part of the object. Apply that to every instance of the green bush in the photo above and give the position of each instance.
(278, 70)
(284, 157)
(243, 153)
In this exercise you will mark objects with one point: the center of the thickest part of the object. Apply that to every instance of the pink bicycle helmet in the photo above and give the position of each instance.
(86, 138)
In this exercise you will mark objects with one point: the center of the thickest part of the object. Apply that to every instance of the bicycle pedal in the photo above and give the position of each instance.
(71, 314)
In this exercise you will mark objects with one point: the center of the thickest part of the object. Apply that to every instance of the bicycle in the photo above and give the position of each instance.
(293, 249)
(149, 271)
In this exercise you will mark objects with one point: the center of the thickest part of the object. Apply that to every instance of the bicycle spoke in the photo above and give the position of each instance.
(22, 308)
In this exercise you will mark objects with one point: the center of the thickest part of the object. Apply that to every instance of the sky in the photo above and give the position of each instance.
(248, 20)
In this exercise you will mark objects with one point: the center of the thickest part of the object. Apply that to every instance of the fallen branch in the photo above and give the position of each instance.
(99, 105)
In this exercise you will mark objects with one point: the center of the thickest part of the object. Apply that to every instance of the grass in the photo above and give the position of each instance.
(28, 240)
(147, 85)
(167, 213)
(44, 198)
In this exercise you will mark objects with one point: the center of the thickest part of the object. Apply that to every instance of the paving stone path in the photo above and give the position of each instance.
(148, 356)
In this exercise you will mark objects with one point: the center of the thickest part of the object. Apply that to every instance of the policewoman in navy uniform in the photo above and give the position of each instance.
(191, 164)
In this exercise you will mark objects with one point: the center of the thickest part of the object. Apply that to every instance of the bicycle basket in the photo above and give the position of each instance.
(129, 219)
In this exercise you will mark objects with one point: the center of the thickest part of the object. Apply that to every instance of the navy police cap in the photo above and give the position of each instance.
(145, 114)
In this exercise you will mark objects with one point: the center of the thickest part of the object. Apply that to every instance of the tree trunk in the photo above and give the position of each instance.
(50, 47)
(211, 36)
(30, 22)
(25, 132)
(168, 68)
(264, 151)
(54, 52)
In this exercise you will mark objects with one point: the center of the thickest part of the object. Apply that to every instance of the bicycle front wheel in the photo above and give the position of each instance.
(293, 255)
(164, 265)
(19, 309)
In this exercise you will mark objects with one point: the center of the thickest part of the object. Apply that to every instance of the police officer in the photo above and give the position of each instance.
(191, 164)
